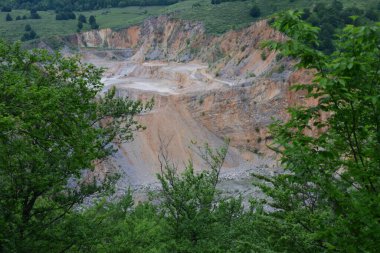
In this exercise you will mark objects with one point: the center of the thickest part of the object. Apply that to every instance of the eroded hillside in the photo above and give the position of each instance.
(206, 88)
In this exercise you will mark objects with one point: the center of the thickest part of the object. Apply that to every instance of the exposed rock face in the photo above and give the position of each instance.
(205, 87)
(164, 38)
(242, 113)
(234, 55)
(106, 38)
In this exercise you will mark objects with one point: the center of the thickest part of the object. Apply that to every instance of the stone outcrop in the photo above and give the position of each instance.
(234, 55)
(106, 38)
(242, 114)
(228, 87)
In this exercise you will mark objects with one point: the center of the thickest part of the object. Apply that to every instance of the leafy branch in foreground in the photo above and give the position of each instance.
(196, 215)
(329, 200)
(53, 126)
(188, 215)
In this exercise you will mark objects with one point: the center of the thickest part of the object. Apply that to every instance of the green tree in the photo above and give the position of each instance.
(79, 26)
(92, 22)
(82, 18)
(255, 11)
(329, 200)
(216, 1)
(28, 28)
(198, 219)
(54, 126)
(8, 17)
(372, 15)
(34, 14)
(337, 6)
(29, 34)
(191, 216)
(117, 226)
(6, 9)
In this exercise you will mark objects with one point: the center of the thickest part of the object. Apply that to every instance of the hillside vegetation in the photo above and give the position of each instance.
(218, 18)
(80, 5)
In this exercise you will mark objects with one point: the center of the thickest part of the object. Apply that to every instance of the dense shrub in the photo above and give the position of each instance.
(65, 15)
(6, 9)
(34, 14)
(8, 17)
(255, 11)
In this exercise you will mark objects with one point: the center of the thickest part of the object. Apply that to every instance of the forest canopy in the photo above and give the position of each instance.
(82, 5)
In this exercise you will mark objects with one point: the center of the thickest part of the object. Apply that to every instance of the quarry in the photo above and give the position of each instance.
(189, 126)
(206, 89)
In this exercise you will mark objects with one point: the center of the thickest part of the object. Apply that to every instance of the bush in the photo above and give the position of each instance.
(255, 11)
(8, 17)
(34, 14)
(328, 198)
(372, 15)
(92, 20)
(30, 35)
(263, 55)
(82, 18)
(79, 26)
(28, 28)
(6, 9)
(93, 23)
(37, 149)
(65, 15)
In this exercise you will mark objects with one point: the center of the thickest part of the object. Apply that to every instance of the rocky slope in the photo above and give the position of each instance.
(234, 55)
(206, 88)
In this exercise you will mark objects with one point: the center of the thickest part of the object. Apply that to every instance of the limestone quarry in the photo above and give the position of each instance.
(206, 88)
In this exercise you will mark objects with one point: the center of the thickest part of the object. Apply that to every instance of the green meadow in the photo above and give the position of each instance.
(217, 18)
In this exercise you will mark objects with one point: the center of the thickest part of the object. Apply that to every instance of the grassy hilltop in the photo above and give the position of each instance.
(217, 18)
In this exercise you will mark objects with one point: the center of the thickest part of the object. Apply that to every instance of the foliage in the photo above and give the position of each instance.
(48, 26)
(66, 15)
(29, 34)
(326, 201)
(8, 17)
(82, 18)
(216, 18)
(6, 9)
(224, 1)
(216, 1)
(34, 14)
(190, 216)
(80, 5)
(116, 227)
(53, 128)
(92, 22)
(198, 219)
(79, 26)
(329, 198)
(331, 18)
(255, 11)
